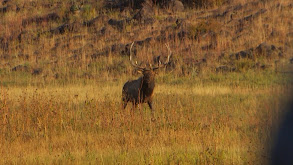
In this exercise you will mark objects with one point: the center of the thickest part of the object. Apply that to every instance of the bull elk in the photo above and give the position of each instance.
(141, 90)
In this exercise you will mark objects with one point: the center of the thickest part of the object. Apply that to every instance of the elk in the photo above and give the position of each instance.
(141, 90)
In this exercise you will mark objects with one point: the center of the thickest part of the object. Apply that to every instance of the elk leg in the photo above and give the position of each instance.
(137, 106)
(124, 104)
(150, 105)
(134, 106)
(152, 110)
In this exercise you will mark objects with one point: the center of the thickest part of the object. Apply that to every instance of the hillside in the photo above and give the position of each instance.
(84, 39)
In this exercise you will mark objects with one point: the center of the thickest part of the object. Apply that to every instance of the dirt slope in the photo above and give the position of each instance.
(51, 38)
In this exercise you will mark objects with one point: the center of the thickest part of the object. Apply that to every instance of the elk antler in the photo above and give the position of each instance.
(130, 58)
(168, 58)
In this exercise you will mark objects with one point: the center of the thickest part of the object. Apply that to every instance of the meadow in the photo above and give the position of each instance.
(219, 100)
(216, 119)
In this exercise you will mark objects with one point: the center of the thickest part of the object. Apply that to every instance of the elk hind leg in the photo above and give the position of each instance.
(124, 104)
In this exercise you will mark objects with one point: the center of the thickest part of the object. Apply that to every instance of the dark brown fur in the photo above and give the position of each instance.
(140, 90)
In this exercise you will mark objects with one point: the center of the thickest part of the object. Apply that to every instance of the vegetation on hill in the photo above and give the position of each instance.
(56, 39)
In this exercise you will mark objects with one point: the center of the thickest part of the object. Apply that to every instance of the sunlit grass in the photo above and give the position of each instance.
(192, 123)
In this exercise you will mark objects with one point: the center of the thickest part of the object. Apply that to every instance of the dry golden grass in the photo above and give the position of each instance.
(195, 122)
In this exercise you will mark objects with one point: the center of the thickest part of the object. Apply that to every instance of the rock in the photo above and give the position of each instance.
(176, 6)
(146, 12)
(183, 34)
(73, 27)
(87, 76)
(132, 5)
(118, 24)
(10, 7)
(268, 51)
(117, 48)
(122, 4)
(255, 15)
(190, 61)
(27, 36)
(3, 2)
(148, 21)
(121, 49)
(262, 50)
(107, 30)
(242, 54)
(290, 34)
(21, 68)
(5, 57)
(97, 21)
(144, 42)
(40, 20)
(225, 68)
(261, 66)
(275, 33)
(37, 71)
(56, 76)
(23, 56)
(74, 9)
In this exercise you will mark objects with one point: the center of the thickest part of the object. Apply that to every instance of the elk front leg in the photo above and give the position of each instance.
(150, 105)
(152, 110)
(134, 105)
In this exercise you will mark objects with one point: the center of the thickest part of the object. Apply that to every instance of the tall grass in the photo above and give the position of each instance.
(205, 122)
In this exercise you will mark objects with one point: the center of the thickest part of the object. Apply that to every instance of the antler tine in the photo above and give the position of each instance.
(130, 51)
(130, 58)
(168, 58)
(170, 53)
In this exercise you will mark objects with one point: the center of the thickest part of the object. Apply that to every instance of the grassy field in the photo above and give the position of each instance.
(217, 119)
(220, 100)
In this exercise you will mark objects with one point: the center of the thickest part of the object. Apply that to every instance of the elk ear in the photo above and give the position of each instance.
(155, 69)
(139, 71)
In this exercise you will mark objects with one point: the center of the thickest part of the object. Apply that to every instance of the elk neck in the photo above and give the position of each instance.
(148, 81)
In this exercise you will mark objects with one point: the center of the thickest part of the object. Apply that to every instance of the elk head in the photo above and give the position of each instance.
(141, 90)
